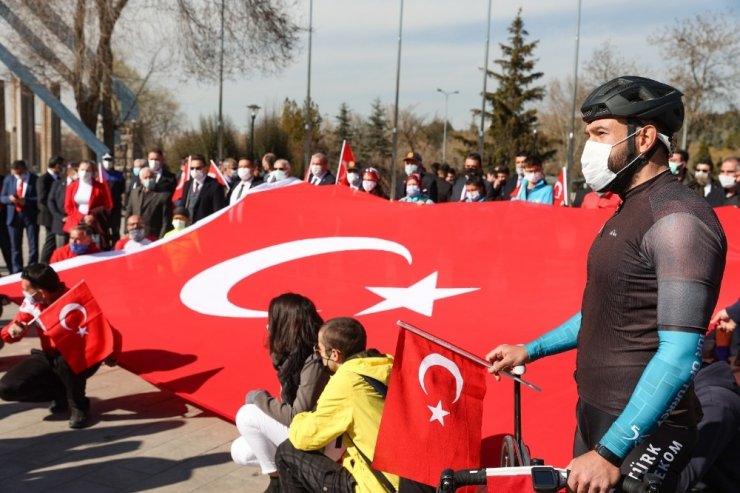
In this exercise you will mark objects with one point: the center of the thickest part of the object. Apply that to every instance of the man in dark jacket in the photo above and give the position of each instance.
(44, 185)
(20, 196)
(202, 195)
(412, 163)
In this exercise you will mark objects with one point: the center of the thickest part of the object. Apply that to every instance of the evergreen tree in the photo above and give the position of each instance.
(344, 124)
(377, 133)
(511, 120)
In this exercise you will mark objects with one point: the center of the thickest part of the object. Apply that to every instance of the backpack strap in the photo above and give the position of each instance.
(379, 386)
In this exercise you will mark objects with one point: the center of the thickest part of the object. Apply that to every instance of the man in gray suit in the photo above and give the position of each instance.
(154, 207)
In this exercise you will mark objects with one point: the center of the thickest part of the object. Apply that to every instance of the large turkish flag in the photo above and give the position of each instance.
(192, 308)
(433, 410)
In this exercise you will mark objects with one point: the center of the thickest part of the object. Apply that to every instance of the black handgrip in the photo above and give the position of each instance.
(468, 477)
(648, 484)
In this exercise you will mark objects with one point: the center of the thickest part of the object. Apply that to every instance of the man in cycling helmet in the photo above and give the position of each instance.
(653, 278)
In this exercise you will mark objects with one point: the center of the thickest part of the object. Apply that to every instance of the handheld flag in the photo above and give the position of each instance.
(214, 172)
(345, 157)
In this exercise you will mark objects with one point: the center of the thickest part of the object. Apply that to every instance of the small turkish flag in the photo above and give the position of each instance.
(214, 172)
(560, 190)
(184, 175)
(433, 412)
(346, 157)
(509, 480)
(78, 328)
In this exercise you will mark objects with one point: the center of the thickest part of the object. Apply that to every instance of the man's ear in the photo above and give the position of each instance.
(646, 138)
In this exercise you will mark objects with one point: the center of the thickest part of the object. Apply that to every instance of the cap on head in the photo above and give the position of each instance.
(181, 211)
(635, 97)
(371, 174)
(412, 156)
(107, 156)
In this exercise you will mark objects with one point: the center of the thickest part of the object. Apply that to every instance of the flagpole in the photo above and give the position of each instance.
(394, 150)
(572, 133)
(481, 131)
(339, 166)
(462, 352)
(307, 122)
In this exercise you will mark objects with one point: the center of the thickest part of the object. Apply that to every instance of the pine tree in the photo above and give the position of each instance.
(511, 120)
(344, 124)
(377, 133)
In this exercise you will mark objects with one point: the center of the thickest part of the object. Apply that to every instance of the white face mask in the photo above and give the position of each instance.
(108, 165)
(155, 165)
(533, 177)
(368, 185)
(410, 169)
(472, 196)
(276, 175)
(595, 163)
(179, 224)
(727, 181)
(412, 190)
(197, 174)
(84, 175)
(317, 171)
(244, 173)
(353, 179)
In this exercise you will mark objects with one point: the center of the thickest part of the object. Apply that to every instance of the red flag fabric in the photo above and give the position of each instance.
(78, 328)
(106, 189)
(345, 157)
(509, 480)
(434, 410)
(214, 172)
(559, 190)
(205, 327)
(177, 195)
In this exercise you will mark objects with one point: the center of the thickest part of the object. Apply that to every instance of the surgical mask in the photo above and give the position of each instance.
(84, 175)
(197, 174)
(316, 170)
(727, 181)
(149, 183)
(702, 177)
(472, 196)
(533, 177)
(28, 297)
(155, 165)
(276, 175)
(412, 190)
(108, 165)
(179, 224)
(353, 179)
(79, 248)
(368, 185)
(136, 171)
(595, 163)
(674, 166)
(410, 169)
(244, 173)
(136, 234)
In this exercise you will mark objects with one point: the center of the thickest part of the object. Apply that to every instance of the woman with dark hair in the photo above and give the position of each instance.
(293, 326)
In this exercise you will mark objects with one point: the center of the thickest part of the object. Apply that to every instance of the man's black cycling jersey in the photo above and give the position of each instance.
(657, 264)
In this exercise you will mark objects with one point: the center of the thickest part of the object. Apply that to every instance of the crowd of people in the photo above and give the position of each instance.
(654, 274)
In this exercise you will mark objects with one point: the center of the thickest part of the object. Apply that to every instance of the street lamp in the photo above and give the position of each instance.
(444, 137)
(253, 109)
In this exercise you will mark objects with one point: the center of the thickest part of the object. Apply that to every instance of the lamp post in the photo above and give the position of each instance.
(444, 135)
(307, 121)
(253, 109)
(220, 130)
(481, 130)
(394, 145)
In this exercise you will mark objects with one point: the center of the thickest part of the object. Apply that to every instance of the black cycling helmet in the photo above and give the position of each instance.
(639, 98)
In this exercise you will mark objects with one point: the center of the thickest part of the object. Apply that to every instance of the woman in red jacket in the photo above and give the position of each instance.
(88, 201)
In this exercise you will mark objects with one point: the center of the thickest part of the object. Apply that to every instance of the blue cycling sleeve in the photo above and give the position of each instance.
(661, 386)
(560, 339)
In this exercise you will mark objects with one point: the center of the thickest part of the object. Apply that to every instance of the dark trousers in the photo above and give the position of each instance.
(302, 471)
(44, 377)
(50, 243)
(664, 453)
(15, 231)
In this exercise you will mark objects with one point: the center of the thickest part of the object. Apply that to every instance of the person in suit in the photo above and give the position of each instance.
(117, 185)
(202, 195)
(165, 181)
(86, 200)
(4, 237)
(705, 185)
(21, 198)
(247, 179)
(320, 174)
(55, 203)
(501, 183)
(134, 182)
(155, 208)
(473, 165)
(44, 185)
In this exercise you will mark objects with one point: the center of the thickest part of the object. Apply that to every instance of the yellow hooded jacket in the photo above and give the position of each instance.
(348, 406)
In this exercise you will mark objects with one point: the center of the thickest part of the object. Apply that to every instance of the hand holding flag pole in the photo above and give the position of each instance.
(464, 353)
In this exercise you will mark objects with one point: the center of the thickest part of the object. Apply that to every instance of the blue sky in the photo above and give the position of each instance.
(355, 46)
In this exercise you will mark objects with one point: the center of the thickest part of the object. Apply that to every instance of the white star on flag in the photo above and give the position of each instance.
(82, 332)
(418, 297)
(438, 414)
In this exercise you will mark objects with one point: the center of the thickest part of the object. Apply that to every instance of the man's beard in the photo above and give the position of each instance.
(618, 160)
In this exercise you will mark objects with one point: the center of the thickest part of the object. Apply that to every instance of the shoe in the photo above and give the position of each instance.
(79, 419)
(274, 486)
(59, 406)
